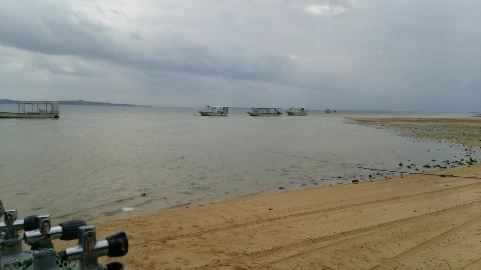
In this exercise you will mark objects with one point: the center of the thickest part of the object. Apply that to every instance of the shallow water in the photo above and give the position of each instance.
(106, 162)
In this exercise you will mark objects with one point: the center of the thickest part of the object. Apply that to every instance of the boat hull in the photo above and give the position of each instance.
(212, 114)
(263, 114)
(296, 114)
(28, 115)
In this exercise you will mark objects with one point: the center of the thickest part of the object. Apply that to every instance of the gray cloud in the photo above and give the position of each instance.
(345, 54)
(58, 30)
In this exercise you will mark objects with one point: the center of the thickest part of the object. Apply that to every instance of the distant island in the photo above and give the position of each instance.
(78, 102)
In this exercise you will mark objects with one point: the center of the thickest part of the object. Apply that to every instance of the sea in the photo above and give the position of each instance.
(107, 162)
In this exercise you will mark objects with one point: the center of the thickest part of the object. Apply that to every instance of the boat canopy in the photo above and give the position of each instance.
(217, 108)
(37, 107)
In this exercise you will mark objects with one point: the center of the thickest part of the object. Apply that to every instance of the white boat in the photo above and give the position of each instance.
(265, 112)
(215, 111)
(330, 111)
(34, 109)
(299, 111)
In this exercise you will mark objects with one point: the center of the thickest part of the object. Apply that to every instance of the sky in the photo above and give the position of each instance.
(395, 55)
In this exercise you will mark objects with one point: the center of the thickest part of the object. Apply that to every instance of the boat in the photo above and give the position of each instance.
(265, 112)
(215, 111)
(34, 109)
(330, 111)
(297, 111)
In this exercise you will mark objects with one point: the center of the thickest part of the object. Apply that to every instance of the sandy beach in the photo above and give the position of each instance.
(424, 220)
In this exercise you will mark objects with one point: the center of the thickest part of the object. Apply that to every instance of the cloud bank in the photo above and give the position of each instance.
(380, 55)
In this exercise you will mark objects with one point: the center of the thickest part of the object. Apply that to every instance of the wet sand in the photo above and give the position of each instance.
(464, 131)
(428, 220)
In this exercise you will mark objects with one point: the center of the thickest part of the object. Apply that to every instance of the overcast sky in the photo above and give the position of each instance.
(344, 54)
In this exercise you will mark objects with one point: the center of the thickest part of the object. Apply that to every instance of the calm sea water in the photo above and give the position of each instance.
(99, 162)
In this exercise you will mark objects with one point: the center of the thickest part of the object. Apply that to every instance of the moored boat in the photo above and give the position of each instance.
(34, 109)
(299, 111)
(330, 111)
(215, 111)
(265, 112)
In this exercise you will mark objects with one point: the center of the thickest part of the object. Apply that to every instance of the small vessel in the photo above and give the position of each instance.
(215, 111)
(330, 111)
(297, 111)
(34, 109)
(265, 112)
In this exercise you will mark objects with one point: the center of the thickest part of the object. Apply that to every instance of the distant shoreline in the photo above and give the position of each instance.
(79, 102)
